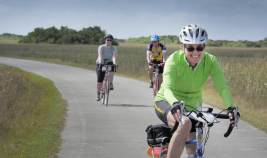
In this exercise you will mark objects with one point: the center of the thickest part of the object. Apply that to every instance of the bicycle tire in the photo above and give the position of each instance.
(107, 86)
(155, 87)
(163, 154)
(101, 95)
(103, 92)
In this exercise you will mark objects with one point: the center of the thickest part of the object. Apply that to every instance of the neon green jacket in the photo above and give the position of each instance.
(184, 83)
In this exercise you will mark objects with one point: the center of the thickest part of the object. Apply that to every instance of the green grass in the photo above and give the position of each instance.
(32, 115)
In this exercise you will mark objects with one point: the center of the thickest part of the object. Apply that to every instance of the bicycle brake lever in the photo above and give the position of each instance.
(182, 106)
(235, 114)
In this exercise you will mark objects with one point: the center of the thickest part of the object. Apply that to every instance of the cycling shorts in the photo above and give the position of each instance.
(162, 109)
(156, 62)
(101, 75)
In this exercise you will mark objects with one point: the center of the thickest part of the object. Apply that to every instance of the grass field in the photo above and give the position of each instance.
(245, 70)
(32, 114)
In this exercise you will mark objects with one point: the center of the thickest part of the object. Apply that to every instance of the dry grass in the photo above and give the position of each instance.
(245, 69)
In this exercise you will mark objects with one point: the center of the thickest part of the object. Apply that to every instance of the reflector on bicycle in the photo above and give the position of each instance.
(103, 68)
(156, 151)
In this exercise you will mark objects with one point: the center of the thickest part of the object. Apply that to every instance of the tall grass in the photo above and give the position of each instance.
(31, 115)
(244, 68)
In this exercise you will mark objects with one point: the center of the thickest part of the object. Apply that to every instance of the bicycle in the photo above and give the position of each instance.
(104, 93)
(156, 79)
(204, 119)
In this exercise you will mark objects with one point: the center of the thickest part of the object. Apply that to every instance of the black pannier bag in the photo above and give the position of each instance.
(158, 134)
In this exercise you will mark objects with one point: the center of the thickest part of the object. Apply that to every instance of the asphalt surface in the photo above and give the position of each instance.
(95, 131)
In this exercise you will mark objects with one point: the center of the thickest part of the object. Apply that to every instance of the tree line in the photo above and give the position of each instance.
(10, 36)
(172, 39)
(94, 35)
(65, 35)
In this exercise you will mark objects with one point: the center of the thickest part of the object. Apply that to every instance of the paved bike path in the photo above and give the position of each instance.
(95, 131)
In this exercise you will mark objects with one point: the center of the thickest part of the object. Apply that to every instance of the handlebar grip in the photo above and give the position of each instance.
(225, 116)
(230, 129)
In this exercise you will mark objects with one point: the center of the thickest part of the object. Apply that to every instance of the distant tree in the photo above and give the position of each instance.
(90, 35)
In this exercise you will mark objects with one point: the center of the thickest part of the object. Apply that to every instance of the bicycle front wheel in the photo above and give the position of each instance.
(155, 87)
(103, 91)
(107, 86)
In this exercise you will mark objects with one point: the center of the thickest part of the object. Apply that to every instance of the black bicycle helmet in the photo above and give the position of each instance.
(108, 36)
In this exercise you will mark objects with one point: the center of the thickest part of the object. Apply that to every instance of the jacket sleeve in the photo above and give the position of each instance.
(220, 82)
(169, 75)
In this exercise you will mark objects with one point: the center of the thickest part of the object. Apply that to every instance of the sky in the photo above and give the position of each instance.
(223, 19)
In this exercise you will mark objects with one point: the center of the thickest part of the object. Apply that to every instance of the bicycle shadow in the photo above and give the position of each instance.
(131, 105)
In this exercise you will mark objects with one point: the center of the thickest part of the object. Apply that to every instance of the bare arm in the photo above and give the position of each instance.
(114, 57)
(100, 56)
(148, 57)
(164, 57)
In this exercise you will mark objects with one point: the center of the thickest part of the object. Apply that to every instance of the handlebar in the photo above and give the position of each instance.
(115, 66)
(181, 105)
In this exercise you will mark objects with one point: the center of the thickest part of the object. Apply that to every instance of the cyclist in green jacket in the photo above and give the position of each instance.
(185, 73)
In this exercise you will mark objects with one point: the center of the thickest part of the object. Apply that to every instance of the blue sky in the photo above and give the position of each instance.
(223, 19)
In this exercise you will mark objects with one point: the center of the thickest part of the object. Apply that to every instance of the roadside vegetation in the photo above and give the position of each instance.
(245, 70)
(173, 39)
(32, 115)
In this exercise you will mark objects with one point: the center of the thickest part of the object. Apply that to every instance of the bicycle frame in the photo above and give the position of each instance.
(105, 87)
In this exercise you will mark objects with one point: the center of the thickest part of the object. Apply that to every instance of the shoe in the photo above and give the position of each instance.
(97, 96)
(111, 86)
(150, 84)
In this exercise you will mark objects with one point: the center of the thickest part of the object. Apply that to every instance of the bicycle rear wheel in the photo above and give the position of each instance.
(107, 86)
(163, 154)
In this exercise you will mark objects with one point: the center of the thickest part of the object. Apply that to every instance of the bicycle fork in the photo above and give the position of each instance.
(199, 138)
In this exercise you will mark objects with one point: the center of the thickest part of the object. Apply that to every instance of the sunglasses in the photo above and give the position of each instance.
(191, 49)
(109, 40)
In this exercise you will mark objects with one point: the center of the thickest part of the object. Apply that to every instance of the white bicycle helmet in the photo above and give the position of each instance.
(193, 34)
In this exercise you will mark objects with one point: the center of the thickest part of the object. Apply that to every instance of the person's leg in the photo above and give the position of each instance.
(150, 74)
(100, 78)
(160, 75)
(160, 80)
(99, 86)
(191, 149)
(111, 76)
(179, 137)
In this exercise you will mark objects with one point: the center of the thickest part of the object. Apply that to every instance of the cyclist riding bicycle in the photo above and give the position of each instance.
(185, 74)
(106, 55)
(156, 54)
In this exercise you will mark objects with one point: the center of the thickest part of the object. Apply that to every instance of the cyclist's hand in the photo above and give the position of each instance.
(175, 110)
(177, 115)
(231, 116)
(162, 64)
(151, 64)
(115, 66)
